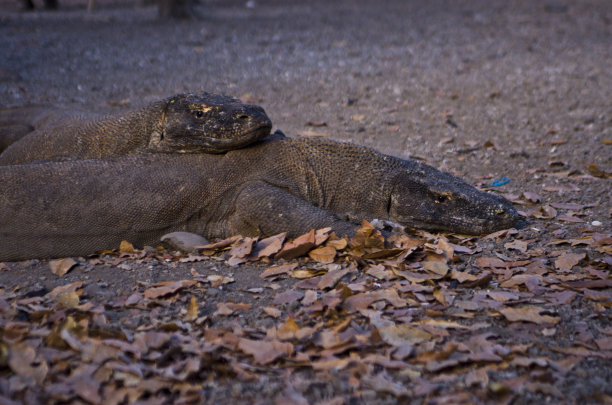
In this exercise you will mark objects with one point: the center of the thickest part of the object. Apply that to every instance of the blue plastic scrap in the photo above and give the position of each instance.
(500, 182)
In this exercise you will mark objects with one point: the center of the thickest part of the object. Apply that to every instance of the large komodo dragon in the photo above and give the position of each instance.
(74, 208)
(203, 123)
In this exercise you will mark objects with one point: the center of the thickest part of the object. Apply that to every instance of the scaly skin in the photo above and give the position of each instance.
(185, 123)
(279, 185)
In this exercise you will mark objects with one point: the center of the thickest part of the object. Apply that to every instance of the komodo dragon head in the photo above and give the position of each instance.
(209, 123)
(423, 197)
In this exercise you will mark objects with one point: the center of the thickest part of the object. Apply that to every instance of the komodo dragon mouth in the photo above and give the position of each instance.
(212, 144)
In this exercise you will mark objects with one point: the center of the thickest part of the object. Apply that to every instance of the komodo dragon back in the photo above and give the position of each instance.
(185, 123)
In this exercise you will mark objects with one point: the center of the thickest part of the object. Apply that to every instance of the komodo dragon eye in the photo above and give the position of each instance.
(198, 114)
(441, 198)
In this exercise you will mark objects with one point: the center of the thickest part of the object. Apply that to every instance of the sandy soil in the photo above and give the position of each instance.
(483, 89)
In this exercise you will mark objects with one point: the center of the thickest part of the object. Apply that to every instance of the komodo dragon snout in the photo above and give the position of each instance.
(209, 123)
(438, 201)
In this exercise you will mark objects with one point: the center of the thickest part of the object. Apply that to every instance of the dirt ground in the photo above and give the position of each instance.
(482, 89)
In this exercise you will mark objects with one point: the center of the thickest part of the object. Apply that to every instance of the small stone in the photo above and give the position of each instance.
(184, 241)
(596, 223)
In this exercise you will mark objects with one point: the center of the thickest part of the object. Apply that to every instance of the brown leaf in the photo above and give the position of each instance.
(337, 243)
(223, 309)
(403, 334)
(604, 343)
(118, 103)
(323, 254)
(598, 295)
(597, 172)
(462, 276)
(288, 296)
(87, 388)
(332, 277)
(545, 212)
(367, 237)
(445, 248)
(363, 300)
(268, 246)
(277, 270)
(265, 352)
(443, 296)
(167, 287)
(439, 268)
(217, 280)
(298, 247)
(240, 251)
(568, 260)
(502, 296)
(272, 311)
(519, 245)
(193, 309)
(62, 266)
(380, 382)
(316, 123)
(288, 330)
(126, 247)
(380, 272)
(24, 361)
(491, 262)
(321, 235)
(221, 244)
(528, 314)
(531, 197)
(68, 299)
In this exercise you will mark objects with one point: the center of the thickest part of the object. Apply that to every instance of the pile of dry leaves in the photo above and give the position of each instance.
(455, 318)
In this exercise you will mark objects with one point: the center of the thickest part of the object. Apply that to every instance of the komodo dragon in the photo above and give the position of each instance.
(208, 123)
(74, 208)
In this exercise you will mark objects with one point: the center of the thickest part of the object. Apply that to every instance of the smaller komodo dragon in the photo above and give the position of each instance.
(204, 123)
(74, 208)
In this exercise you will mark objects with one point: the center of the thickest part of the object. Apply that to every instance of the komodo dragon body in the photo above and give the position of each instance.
(288, 185)
(207, 123)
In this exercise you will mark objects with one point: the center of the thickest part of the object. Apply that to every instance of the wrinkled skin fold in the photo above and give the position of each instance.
(74, 208)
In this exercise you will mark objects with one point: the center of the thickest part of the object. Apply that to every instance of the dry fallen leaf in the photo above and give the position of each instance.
(568, 260)
(403, 334)
(192, 309)
(287, 330)
(278, 270)
(298, 247)
(265, 352)
(323, 254)
(436, 267)
(62, 266)
(516, 244)
(528, 314)
(272, 311)
(268, 246)
(167, 287)
(126, 247)
(24, 361)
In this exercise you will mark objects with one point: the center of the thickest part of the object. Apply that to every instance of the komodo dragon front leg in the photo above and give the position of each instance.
(185, 123)
(263, 209)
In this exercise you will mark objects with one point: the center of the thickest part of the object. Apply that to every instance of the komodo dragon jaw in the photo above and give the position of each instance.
(209, 123)
(430, 199)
